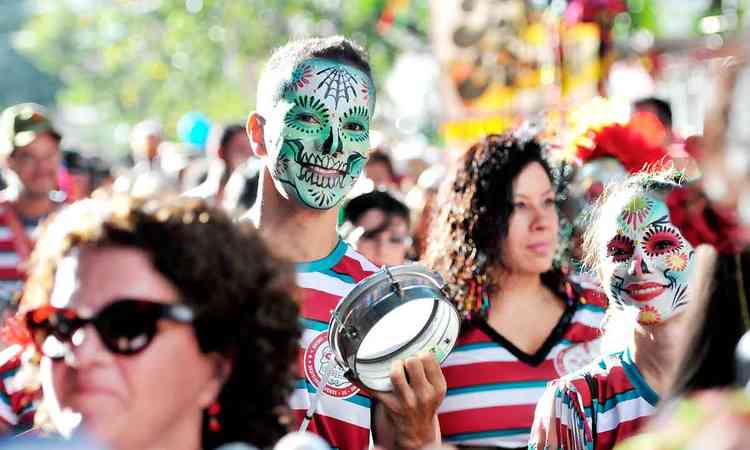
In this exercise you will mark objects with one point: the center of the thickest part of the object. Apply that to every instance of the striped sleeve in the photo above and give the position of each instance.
(342, 417)
(18, 401)
(597, 407)
(561, 420)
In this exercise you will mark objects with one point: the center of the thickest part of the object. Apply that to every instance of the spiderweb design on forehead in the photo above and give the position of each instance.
(338, 83)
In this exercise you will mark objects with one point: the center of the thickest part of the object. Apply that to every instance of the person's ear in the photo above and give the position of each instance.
(255, 132)
(222, 369)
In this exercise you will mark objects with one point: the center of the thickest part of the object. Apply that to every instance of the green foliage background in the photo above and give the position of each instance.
(131, 59)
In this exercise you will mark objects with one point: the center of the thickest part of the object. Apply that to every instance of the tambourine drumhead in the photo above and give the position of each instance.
(391, 315)
(396, 329)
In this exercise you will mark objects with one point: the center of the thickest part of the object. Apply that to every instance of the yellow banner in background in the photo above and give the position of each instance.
(580, 60)
(471, 130)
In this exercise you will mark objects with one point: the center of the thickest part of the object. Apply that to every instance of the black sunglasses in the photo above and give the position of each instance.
(125, 326)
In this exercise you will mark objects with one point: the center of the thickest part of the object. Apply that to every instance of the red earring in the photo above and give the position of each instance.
(213, 417)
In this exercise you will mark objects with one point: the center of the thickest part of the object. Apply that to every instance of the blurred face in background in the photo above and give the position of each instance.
(533, 225)
(380, 174)
(151, 145)
(236, 151)
(385, 238)
(36, 165)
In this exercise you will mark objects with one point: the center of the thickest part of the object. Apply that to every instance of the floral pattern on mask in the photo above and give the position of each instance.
(636, 211)
(648, 261)
(324, 139)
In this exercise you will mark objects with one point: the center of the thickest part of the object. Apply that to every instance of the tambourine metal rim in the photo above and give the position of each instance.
(345, 339)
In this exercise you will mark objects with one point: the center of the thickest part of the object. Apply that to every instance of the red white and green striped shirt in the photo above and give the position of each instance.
(493, 386)
(342, 417)
(611, 394)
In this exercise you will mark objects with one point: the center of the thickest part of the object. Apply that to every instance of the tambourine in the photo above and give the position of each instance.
(390, 315)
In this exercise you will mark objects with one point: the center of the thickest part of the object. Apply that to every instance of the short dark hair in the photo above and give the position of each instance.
(228, 132)
(381, 200)
(245, 309)
(277, 74)
(381, 156)
(661, 108)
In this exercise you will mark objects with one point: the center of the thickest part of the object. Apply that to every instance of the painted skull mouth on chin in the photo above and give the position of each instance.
(322, 170)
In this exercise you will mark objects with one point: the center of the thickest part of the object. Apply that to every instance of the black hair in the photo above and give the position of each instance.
(75, 162)
(660, 107)
(228, 133)
(709, 359)
(381, 200)
(380, 156)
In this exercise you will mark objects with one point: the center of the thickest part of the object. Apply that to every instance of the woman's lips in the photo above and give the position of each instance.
(643, 292)
(541, 248)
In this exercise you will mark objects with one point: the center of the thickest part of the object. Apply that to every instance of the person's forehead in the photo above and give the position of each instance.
(325, 65)
(638, 210)
(338, 84)
(532, 179)
(43, 143)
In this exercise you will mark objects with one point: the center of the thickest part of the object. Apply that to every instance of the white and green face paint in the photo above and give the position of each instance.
(323, 119)
(648, 262)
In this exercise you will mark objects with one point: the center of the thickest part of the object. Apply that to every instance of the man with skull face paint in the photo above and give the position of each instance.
(644, 264)
(311, 129)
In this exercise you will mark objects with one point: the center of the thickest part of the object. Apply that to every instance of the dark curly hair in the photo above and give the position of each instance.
(245, 308)
(467, 234)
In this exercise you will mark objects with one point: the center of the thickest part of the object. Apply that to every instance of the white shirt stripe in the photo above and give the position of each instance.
(332, 407)
(490, 398)
(366, 265)
(480, 355)
(513, 440)
(587, 317)
(624, 411)
(324, 283)
(9, 259)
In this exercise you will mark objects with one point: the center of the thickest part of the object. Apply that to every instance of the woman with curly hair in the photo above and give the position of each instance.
(494, 240)
(644, 263)
(160, 324)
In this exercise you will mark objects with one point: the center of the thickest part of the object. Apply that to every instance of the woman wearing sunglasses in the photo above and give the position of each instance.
(162, 325)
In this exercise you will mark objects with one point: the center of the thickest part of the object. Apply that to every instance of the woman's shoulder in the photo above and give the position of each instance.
(587, 313)
(587, 291)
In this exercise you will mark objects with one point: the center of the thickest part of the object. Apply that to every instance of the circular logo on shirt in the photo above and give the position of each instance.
(576, 356)
(318, 360)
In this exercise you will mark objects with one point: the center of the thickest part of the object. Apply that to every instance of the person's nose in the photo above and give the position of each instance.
(87, 348)
(638, 267)
(332, 144)
(542, 217)
(47, 164)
